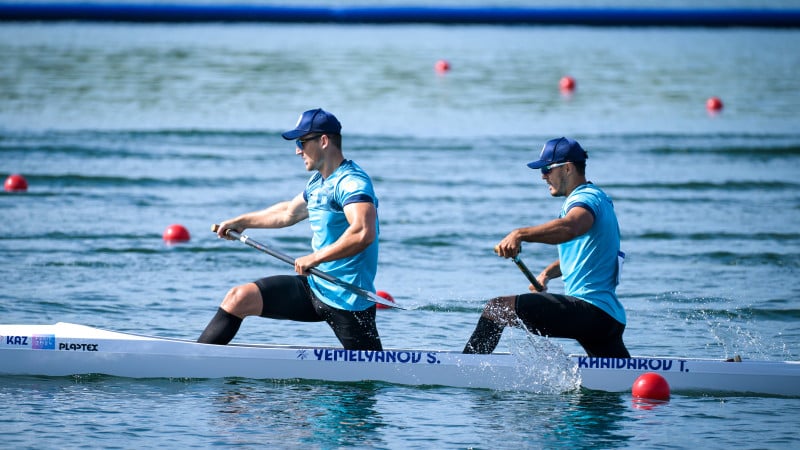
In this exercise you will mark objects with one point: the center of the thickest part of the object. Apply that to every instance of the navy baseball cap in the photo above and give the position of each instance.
(559, 150)
(314, 121)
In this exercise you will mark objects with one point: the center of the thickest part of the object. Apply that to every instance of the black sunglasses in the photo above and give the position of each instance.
(549, 168)
(299, 142)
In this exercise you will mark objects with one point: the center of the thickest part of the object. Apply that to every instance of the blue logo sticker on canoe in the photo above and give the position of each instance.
(43, 342)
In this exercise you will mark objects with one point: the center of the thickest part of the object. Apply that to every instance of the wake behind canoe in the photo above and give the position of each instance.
(69, 349)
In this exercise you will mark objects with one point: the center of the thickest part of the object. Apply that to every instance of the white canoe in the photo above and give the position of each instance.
(68, 349)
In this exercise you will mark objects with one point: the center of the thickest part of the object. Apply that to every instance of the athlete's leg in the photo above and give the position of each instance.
(279, 297)
(497, 314)
(563, 316)
(356, 330)
(607, 341)
(240, 302)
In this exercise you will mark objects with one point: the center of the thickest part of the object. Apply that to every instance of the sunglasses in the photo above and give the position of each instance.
(549, 168)
(299, 142)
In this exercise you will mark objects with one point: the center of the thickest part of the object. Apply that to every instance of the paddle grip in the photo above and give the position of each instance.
(215, 227)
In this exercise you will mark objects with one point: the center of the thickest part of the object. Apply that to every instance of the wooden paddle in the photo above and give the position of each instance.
(371, 296)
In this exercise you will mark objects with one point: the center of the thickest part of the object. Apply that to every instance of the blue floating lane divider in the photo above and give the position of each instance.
(649, 17)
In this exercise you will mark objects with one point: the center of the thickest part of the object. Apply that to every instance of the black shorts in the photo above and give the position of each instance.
(289, 297)
(563, 316)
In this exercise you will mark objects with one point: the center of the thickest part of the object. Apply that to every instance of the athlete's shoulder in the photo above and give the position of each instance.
(589, 191)
(350, 167)
(352, 176)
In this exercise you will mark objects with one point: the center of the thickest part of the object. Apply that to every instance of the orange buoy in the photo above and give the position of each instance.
(442, 66)
(16, 183)
(651, 386)
(714, 104)
(176, 233)
(385, 295)
(566, 84)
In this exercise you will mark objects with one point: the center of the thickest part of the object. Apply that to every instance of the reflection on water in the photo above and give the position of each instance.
(341, 414)
(580, 419)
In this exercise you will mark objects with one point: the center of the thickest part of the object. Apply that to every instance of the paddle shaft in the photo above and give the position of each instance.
(371, 296)
(528, 274)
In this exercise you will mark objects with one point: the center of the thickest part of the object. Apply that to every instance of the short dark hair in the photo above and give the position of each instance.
(336, 139)
(580, 166)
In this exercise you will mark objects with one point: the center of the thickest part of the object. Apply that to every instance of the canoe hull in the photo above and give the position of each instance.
(68, 349)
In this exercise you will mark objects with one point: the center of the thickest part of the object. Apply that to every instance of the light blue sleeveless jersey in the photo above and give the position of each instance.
(589, 262)
(326, 199)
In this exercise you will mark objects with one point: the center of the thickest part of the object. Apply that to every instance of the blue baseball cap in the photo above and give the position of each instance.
(314, 121)
(559, 150)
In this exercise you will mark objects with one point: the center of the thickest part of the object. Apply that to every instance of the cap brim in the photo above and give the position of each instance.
(294, 134)
(537, 164)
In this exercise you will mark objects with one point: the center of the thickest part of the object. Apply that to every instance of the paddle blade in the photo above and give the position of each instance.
(382, 301)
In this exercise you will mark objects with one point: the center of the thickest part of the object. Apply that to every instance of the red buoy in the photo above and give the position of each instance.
(566, 84)
(442, 66)
(651, 386)
(16, 183)
(176, 233)
(714, 104)
(385, 295)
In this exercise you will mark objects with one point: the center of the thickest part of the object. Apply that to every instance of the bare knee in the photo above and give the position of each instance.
(243, 301)
(501, 310)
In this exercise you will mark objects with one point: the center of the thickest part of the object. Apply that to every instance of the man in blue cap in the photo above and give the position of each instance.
(589, 260)
(340, 203)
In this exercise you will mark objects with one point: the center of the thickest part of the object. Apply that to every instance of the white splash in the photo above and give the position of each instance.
(543, 365)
